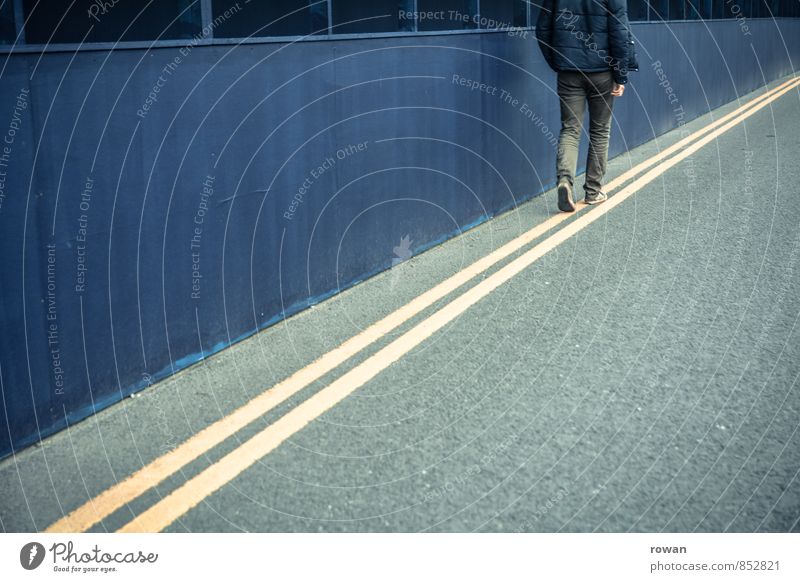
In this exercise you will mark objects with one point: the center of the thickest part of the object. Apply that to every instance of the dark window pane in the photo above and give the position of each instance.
(637, 10)
(351, 16)
(107, 22)
(503, 14)
(760, 9)
(733, 9)
(8, 31)
(659, 9)
(232, 19)
(773, 8)
(696, 10)
(448, 14)
(521, 13)
(744, 9)
(534, 6)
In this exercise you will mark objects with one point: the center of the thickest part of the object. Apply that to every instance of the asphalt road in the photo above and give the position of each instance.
(641, 376)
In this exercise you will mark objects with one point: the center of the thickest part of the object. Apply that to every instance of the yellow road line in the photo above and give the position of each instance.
(116, 496)
(234, 463)
(625, 176)
(112, 499)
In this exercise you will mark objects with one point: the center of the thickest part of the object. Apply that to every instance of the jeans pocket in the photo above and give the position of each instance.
(602, 83)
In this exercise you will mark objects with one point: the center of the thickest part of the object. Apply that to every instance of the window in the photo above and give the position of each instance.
(503, 14)
(8, 30)
(789, 8)
(676, 10)
(637, 10)
(696, 10)
(768, 8)
(720, 10)
(448, 14)
(351, 16)
(90, 21)
(232, 19)
(99, 21)
(659, 9)
(534, 6)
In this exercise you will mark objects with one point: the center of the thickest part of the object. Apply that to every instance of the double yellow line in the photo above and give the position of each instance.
(185, 497)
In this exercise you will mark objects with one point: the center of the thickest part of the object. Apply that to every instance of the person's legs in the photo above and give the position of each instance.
(601, 103)
(572, 96)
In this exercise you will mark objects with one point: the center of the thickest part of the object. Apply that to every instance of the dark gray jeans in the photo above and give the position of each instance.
(574, 90)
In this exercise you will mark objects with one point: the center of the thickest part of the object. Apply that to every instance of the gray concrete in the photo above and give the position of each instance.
(641, 377)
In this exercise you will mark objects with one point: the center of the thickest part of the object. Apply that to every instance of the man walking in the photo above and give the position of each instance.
(587, 42)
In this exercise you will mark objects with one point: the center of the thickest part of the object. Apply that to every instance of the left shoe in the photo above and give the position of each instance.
(565, 202)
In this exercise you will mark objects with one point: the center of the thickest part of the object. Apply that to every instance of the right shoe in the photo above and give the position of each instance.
(565, 201)
(596, 198)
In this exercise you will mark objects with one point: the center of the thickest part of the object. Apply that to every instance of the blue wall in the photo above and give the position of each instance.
(102, 193)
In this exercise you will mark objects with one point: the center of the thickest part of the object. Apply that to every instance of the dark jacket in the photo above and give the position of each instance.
(587, 35)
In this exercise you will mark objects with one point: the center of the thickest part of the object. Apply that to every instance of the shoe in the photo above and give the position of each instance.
(595, 198)
(565, 202)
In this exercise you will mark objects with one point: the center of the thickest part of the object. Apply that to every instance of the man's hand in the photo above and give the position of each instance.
(618, 90)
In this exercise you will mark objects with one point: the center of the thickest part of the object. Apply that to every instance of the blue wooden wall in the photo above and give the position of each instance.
(156, 210)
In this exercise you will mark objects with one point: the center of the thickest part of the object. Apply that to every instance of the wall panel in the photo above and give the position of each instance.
(238, 193)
